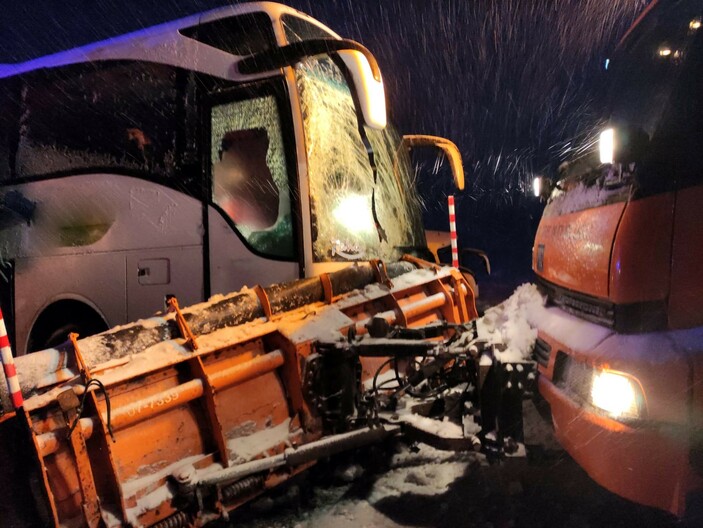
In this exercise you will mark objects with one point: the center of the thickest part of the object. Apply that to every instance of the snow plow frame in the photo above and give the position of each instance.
(164, 433)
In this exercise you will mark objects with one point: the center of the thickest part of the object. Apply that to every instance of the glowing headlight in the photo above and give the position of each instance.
(354, 213)
(606, 145)
(616, 394)
(537, 186)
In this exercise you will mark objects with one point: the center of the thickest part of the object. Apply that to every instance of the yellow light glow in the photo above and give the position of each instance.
(606, 145)
(354, 213)
(695, 23)
(664, 52)
(614, 393)
(537, 186)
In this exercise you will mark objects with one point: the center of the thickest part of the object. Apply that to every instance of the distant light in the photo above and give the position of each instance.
(354, 213)
(606, 145)
(537, 186)
(695, 24)
(607, 63)
(664, 52)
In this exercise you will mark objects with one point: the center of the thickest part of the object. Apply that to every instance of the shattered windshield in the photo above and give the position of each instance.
(356, 214)
(653, 82)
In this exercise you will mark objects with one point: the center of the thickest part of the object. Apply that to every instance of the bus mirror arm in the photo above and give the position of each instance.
(447, 147)
(291, 54)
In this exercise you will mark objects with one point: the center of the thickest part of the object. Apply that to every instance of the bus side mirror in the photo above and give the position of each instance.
(447, 147)
(369, 89)
(360, 62)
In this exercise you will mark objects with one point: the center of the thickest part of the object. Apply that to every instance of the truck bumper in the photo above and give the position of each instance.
(648, 465)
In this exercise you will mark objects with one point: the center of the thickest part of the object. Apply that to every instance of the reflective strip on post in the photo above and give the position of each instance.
(452, 232)
(8, 364)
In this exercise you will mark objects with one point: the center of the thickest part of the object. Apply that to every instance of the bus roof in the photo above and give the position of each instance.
(165, 44)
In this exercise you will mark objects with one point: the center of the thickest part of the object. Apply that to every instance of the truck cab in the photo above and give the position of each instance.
(618, 254)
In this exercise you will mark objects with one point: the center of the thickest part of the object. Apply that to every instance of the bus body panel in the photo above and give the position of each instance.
(87, 224)
(51, 279)
(233, 265)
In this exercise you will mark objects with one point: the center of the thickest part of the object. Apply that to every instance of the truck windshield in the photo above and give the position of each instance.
(653, 81)
(647, 67)
(357, 213)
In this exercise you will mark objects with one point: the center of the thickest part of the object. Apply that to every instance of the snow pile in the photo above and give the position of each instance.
(511, 325)
(244, 448)
(426, 472)
(583, 197)
(443, 429)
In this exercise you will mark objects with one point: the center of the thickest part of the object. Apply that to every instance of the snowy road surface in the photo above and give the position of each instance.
(431, 488)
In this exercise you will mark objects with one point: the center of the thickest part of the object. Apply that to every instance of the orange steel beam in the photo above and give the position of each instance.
(246, 371)
(159, 402)
(408, 311)
(413, 309)
(162, 401)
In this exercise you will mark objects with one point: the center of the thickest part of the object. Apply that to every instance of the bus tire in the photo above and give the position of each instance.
(60, 319)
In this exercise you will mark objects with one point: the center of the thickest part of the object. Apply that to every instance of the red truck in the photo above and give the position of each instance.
(619, 254)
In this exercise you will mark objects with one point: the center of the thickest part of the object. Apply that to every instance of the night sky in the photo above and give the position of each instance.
(513, 82)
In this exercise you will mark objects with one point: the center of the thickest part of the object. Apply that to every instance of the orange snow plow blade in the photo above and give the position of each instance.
(136, 426)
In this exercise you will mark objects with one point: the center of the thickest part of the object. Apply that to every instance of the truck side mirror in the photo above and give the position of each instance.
(447, 147)
(360, 63)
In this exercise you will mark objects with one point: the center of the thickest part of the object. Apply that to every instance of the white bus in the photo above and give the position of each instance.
(241, 146)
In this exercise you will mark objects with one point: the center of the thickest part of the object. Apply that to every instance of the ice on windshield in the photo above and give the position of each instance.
(343, 190)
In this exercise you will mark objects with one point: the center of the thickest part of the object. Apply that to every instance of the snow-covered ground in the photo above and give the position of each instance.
(408, 486)
(424, 487)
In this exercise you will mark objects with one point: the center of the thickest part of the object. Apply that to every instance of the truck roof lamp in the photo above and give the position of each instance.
(606, 145)
(537, 186)
(362, 66)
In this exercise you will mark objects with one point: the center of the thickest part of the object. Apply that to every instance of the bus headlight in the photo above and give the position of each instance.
(617, 394)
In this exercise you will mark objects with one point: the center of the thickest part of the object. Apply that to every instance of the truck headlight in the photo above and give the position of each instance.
(617, 394)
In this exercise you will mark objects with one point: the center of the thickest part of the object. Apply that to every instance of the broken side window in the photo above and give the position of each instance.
(249, 175)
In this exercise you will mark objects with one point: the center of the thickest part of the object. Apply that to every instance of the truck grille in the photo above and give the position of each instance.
(589, 308)
(573, 377)
(542, 352)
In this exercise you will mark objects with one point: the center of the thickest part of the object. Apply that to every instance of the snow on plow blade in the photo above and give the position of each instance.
(137, 427)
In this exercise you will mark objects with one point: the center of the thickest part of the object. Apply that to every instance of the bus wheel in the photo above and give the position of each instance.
(60, 319)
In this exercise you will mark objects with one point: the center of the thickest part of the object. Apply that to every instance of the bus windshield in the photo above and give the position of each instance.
(358, 211)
